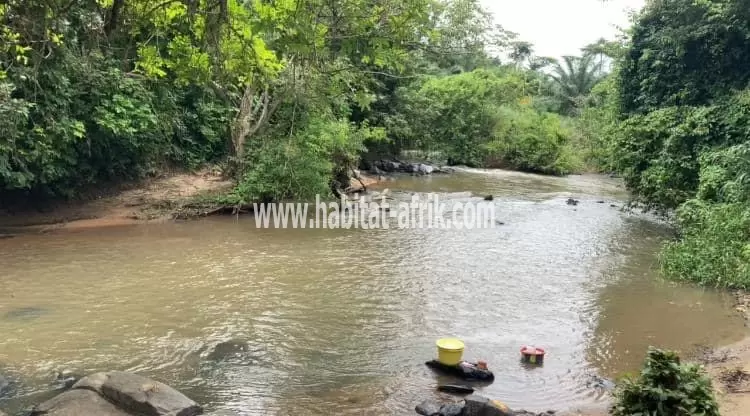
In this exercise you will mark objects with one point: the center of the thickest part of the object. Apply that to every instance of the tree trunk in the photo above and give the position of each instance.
(114, 17)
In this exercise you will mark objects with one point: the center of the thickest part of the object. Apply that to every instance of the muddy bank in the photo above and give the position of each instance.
(729, 369)
(151, 200)
(169, 197)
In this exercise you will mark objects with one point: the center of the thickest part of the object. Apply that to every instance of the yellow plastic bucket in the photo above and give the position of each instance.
(450, 351)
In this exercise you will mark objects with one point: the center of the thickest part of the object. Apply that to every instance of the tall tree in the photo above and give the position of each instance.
(575, 77)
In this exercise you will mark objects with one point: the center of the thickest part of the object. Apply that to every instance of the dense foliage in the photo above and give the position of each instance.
(486, 118)
(681, 142)
(286, 94)
(665, 387)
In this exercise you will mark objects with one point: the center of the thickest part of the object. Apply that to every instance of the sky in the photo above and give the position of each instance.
(561, 27)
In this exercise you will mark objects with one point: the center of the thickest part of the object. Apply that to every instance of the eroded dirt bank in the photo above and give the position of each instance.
(151, 200)
(154, 200)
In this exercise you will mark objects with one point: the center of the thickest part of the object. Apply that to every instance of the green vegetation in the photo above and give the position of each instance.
(665, 387)
(287, 95)
(682, 136)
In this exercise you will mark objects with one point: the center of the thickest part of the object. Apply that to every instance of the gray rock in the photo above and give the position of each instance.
(428, 408)
(78, 403)
(425, 169)
(391, 166)
(453, 409)
(138, 394)
(476, 405)
(65, 379)
(455, 389)
(444, 169)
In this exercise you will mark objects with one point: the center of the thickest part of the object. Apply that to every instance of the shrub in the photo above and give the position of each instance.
(666, 387)
(527, 140)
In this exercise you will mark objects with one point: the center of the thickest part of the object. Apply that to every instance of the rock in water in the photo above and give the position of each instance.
(118, 394)
(476, 405)
(140, 395)
(229, 349)
(428, 408)
(78, 403)
(489, 198)
(453, 409)
(425, 169)
(572, 201)
(25, 313)
(453, 388)
(4, 385)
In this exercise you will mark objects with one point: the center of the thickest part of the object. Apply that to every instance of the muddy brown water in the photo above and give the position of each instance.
(341, 321)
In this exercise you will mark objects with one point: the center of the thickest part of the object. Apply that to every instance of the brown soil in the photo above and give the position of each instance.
(729, 368)
(152, 200)
(177, 195)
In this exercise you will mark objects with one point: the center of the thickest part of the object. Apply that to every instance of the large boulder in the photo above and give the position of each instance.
(118, 393)
(139, 394)
(476, 405)
(425, 169)
(78, 403)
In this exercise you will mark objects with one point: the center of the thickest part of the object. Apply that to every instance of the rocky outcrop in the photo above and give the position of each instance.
(78, 402)
(389, 166)
(473, 405)
(119, 393)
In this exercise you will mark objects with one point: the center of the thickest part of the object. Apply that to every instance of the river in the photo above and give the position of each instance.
(342, 321)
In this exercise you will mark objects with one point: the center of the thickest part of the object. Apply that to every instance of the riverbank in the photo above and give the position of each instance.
(177, 195)
(150, 200)
(171, 196)
(729, 368)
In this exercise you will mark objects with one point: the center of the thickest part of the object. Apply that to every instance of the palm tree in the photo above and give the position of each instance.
(575, 77)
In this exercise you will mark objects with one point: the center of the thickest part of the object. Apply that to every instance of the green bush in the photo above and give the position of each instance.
(714, 248)
(666, 387)
(527, 140)
(301, 165)
(483, 118)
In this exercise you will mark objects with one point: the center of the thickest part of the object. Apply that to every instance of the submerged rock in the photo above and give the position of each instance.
(428, 408)
(229, 349)
(572, 201)
(456, 389)
(119, 393)
(4, 385)
(25, 313)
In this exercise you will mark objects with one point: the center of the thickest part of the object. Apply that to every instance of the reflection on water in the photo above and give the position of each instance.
(341, 321)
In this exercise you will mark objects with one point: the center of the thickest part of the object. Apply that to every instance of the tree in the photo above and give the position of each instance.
(575, 77)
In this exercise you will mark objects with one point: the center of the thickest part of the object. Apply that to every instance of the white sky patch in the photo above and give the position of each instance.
(562, 27)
